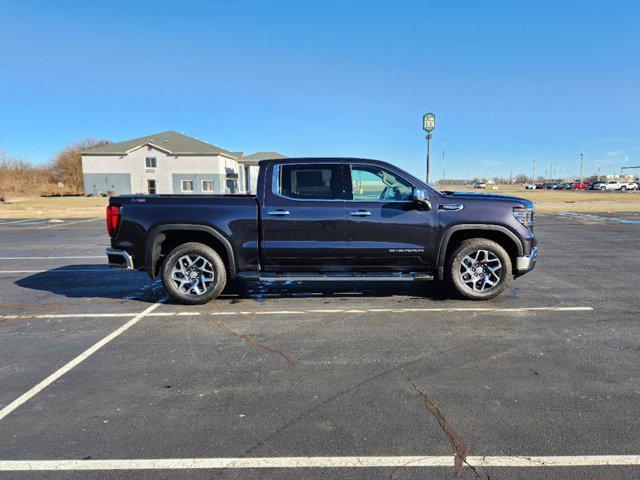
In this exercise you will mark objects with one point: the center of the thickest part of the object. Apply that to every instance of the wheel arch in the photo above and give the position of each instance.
(500, 234)
(168, 236)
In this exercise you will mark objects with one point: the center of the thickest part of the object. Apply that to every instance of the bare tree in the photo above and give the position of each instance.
(67, 165)
(521, 178)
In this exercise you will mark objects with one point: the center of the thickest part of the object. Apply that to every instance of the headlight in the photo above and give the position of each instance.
(525, 216)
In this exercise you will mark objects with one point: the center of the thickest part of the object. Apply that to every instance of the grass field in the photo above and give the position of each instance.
(566, 200)
(545, 200)
(54, 207)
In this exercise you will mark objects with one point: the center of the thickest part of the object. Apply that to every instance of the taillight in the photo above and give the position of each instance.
(113, 219)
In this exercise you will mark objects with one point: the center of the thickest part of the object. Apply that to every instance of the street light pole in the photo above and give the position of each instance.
(428, 155)
(581, 163)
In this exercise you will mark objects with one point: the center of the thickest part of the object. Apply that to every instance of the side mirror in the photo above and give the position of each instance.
(421, 196)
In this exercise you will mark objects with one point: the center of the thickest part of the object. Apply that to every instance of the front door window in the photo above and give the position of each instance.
(151, 187)
(370, 183)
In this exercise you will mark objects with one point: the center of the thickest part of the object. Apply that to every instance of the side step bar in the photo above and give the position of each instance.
(336, 277)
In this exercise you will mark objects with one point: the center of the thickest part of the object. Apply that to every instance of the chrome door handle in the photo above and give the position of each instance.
(450, 207)
(279, 212)
(360, 213)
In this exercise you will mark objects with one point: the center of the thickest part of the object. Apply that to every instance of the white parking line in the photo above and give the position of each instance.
(69, 223)
(319, 462)
(411, 310)
(23, 220)
(65, 270)
(298, 312)
(73, 363)
(53, 258)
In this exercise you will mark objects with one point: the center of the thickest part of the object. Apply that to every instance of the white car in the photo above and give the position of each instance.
(479, 185)
(616, 185)
(530, 186)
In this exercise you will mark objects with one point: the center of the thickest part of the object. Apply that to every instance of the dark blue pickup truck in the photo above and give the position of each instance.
(325, 219)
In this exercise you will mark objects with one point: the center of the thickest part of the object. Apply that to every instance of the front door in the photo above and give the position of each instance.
(386, 229)
(303, 218)
(151, 187)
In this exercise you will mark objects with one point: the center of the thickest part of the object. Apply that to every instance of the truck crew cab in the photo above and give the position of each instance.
(325, 219)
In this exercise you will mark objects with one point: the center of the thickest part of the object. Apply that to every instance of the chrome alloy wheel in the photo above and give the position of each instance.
(481, 271)
(192, 274)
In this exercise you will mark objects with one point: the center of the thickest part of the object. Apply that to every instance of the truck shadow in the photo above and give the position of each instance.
(90, 281)
(96, 281)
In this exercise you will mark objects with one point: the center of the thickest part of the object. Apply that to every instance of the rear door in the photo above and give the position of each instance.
(386, 229)
(303, 218)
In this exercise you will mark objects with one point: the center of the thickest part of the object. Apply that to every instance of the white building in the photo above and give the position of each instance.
(250, 163)
(166, 162)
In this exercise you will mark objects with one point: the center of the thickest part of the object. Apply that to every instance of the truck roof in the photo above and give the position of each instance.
(264, 163)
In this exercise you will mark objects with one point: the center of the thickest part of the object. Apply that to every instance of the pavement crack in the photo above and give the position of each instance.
(459, 445)
(252, 341)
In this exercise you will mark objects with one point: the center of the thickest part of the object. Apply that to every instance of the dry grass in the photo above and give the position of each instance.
(566, 200)
(54, 207)
(545, 200)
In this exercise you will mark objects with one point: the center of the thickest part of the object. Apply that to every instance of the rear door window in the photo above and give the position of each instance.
(309, 182)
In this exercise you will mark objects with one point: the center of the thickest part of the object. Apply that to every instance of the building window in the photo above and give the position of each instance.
(150, 162)
(207, 186)
(187, 186)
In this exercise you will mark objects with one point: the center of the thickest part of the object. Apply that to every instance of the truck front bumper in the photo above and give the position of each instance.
(119, 259)
(525, 264)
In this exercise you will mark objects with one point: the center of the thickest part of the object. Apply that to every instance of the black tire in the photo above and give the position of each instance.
(212, 289)
(470, 247)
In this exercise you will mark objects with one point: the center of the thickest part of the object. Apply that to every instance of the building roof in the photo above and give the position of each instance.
(254, 158)
(171, 142)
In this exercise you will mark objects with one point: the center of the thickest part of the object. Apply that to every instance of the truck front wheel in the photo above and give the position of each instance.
(479, 269)
(193, 273)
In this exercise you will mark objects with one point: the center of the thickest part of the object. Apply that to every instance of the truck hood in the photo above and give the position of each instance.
(494, 197)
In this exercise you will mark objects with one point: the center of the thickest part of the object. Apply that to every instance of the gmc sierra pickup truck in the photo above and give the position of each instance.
(325, 219)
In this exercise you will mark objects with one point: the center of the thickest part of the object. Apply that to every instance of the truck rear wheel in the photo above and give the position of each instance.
(479, 269)
(193, 273)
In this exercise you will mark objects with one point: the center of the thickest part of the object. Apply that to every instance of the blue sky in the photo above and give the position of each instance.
(510, 82)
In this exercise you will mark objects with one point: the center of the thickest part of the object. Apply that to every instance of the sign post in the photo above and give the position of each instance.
(61, 187)
(428, 124)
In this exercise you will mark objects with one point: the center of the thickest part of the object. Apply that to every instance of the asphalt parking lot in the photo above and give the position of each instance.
(102, 379)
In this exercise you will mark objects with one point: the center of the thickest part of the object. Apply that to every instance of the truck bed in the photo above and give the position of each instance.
(235, 217)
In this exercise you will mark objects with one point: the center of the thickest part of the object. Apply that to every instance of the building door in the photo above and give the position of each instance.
(151, 187)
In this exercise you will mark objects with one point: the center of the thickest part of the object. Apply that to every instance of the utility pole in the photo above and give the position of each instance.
(533, 171)
(428, 124)
(581, 163)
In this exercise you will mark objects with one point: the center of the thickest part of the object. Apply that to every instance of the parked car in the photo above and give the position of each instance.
(540, 186)
(617, 185)
(580, 186)
(479, 185)
(326, 219)
(596, 185)
(530, 186)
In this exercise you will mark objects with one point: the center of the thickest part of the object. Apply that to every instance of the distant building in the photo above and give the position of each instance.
(167, 162)
(250, 162)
